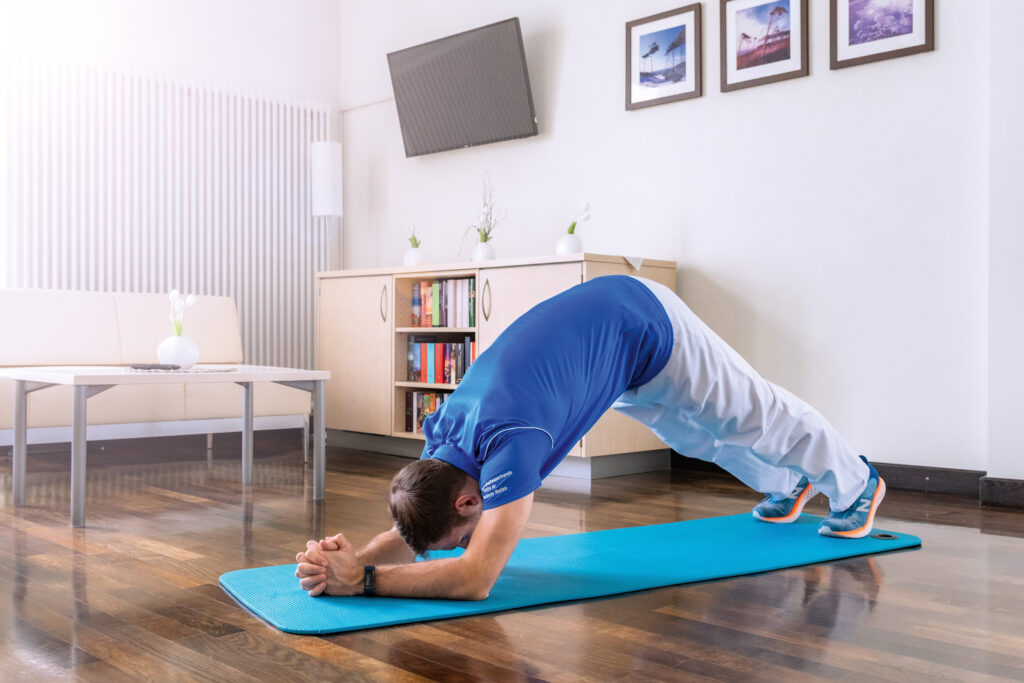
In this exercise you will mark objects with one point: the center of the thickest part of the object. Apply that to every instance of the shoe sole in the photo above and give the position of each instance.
(864, 530)
(801, 500)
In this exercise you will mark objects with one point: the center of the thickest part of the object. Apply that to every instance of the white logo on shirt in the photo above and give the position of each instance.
(490, 487)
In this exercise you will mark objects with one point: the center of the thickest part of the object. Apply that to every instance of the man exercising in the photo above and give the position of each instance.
(614, 341)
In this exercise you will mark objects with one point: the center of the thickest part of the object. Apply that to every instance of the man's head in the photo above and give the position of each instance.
(435, 505)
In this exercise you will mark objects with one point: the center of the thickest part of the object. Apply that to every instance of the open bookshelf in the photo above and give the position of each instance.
(447, 335)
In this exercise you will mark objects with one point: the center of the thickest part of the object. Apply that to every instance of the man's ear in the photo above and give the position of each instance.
(468, 503)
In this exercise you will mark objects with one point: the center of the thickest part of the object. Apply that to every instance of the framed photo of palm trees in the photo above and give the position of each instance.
(763, 41)
(871, 30)
(663, 58)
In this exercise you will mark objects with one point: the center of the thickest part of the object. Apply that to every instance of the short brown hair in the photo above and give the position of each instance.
(422, 501)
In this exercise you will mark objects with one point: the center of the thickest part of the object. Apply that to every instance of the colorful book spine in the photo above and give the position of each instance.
(411, 360)
(426, 300)
(450, 286)
(459, 357)
(442, 295)
(431, 363)
(416, 303)
(463, 303)
(446, 304)
(448, 364)
(457, 303)
(438, 363)
(464, 300)
(435, 302)
(472, 302)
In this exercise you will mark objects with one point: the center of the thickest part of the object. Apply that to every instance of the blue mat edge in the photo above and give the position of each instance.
(475, 608)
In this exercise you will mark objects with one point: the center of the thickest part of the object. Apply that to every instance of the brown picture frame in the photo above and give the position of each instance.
(726, 44)
(694, 70)
(836, 63)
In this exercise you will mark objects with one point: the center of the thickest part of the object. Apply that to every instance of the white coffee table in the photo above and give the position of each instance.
(88, 381)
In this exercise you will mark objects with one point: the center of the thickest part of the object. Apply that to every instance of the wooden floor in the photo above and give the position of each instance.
(134, 595)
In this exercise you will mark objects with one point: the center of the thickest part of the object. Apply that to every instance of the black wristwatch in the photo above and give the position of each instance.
(369, 581)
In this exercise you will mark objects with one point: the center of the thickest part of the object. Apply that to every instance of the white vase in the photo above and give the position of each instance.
(412, 257)
(483, 251)
(180, 351)
(569, 244)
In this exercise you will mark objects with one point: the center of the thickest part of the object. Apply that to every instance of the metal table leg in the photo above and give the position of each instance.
(246, 432)
(80, 394)
(21, 391)
(319, 440)
(20, 441)
(78, 423)
(316, 388)
(305, 440)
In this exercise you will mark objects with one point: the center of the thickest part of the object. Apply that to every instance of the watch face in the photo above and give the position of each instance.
(368, 580)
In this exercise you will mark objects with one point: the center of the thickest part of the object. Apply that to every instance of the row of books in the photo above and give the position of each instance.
(444, 303)
(437, 362)
(419, 404)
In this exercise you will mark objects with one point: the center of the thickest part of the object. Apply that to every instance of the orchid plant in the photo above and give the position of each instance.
(489, 217)
(583, 215)
(178, 305)
(414, 241)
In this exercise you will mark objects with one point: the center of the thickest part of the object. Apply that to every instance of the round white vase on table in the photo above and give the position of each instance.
(483, 251)
(568, 244)
(178, 350)
(412, 257)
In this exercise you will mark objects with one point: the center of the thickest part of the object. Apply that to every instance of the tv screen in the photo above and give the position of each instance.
(468, 89)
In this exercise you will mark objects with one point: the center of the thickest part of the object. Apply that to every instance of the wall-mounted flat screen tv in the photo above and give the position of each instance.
(468, 89)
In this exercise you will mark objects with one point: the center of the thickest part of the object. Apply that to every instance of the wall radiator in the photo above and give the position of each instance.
(125, 183)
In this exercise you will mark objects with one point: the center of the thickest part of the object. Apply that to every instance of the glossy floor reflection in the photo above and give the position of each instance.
(134, 594)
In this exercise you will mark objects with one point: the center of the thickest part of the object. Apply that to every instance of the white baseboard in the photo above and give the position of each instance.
(146, 429)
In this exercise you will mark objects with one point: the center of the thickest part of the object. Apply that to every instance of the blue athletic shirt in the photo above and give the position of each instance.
(545, 381)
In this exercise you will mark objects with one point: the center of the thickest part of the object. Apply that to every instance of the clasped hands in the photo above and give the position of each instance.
(330, 567)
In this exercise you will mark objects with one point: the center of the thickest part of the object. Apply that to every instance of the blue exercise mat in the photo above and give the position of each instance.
(571, 567)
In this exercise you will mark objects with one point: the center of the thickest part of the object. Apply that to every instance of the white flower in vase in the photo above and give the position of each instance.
(413, 256)
(486, 221)
(570, 242)
(178, 349)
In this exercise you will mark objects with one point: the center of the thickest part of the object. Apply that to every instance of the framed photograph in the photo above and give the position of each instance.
(663, 62)
(871, 30)
(763, 41)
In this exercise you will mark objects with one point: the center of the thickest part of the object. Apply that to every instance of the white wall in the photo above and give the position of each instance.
(832, 228)
(1006, 247)
(288, 49)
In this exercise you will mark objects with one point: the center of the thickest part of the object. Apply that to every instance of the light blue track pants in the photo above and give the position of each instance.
(709, 403)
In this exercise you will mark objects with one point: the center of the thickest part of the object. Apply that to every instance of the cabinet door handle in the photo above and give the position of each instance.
(486, 307)
(384, 303)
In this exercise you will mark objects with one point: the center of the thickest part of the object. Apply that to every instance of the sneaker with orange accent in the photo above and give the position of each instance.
(857, 520)
(785, 510)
